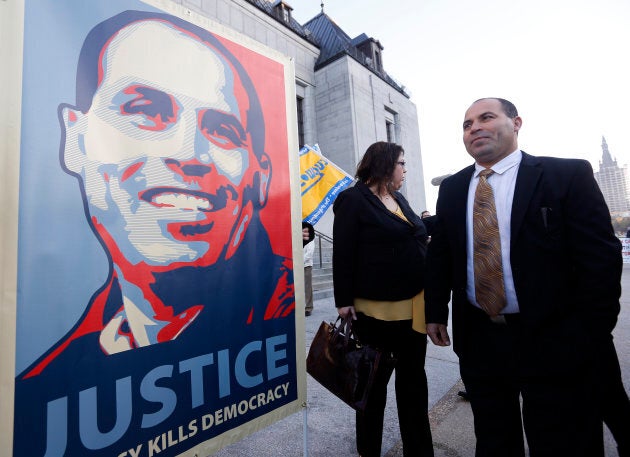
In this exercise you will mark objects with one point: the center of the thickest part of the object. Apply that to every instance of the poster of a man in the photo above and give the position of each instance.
(167, 140)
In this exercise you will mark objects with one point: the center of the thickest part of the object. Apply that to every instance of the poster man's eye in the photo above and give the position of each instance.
(157, 109)
(222, 129)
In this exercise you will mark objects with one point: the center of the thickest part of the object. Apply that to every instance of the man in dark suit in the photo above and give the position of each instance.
(559, 270)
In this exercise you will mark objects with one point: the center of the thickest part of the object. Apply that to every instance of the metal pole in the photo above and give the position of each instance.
(305, 427)
(319, 241)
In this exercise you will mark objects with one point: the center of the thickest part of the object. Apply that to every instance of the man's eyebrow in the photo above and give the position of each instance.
(225, 116)
(212, 119)
(484, 114)
(160, 102)
(143, 89)
(148, 89)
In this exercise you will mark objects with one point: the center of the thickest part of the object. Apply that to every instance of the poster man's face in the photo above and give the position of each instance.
(168, 168)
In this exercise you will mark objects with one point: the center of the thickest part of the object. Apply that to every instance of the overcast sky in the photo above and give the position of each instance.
(564, 64)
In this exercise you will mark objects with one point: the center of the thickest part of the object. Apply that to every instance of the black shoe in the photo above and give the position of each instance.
(307, 313)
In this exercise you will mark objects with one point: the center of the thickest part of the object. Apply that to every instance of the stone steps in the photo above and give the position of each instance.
(322, 270)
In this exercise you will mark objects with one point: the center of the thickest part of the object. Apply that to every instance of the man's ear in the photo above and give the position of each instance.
(263, 178)
(72, 130)
(518, 122)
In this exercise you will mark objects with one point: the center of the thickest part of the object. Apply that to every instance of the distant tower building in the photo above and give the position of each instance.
(614, 181)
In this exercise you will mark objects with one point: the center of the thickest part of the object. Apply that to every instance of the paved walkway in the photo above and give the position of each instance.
(331, 424)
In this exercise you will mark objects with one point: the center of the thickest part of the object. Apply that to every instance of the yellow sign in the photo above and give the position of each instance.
(321, 182)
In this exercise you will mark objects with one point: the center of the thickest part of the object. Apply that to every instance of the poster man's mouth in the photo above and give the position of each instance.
(188, 200)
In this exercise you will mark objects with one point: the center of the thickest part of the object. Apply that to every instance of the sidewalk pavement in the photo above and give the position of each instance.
(330, 431)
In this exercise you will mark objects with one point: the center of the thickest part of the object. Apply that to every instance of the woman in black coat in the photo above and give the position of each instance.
(378, 272)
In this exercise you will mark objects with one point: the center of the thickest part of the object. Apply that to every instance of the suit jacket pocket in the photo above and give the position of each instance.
(543, 230)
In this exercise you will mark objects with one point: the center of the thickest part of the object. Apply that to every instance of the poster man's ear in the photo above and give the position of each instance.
(264, 177)
(73, 128)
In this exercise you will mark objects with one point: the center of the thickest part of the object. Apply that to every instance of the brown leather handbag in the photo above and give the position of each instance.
(348, 369)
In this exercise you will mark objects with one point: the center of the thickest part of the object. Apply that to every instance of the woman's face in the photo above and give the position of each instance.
(398, 176)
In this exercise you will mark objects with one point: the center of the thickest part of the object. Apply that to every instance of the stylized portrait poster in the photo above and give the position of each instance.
(154, 296)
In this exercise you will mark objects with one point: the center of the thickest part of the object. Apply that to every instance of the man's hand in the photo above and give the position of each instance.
(343, 312)
(438, 334)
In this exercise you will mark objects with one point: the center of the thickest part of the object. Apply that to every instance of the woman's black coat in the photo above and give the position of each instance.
(376, 254)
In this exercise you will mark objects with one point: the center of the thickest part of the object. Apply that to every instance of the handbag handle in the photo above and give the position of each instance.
(345, 328)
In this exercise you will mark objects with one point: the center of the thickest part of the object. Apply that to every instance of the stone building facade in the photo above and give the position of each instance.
(345, 98)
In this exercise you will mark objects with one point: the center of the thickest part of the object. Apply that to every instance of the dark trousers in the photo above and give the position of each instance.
(560, 410)
(409, 347)
(308, 289)
(615, 402)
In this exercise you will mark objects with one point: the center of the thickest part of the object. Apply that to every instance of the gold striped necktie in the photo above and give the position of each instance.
(489, 288)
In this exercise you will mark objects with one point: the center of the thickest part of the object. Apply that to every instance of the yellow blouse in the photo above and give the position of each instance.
(412, 308)
(398, 212)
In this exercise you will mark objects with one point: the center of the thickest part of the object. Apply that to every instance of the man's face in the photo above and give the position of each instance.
(168, 169)
(489, 134)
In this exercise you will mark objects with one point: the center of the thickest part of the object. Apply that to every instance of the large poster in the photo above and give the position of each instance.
(155, 305)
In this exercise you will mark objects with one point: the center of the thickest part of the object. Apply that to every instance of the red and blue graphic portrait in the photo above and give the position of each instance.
(167, 140)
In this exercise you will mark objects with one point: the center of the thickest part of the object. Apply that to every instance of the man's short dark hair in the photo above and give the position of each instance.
(87, 81)
(507, 106)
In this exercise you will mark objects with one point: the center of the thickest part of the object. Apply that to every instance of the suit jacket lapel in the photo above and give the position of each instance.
(461, 184)
(527, 179)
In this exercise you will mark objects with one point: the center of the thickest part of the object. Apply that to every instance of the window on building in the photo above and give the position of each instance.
(392, 125)
(390, 130)
(283, 12)
(300, 120)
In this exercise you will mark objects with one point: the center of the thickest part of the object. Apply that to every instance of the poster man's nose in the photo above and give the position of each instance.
(188, 169)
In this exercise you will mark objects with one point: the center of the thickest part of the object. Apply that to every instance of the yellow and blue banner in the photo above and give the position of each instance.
(321, 182)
